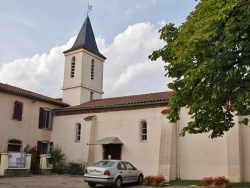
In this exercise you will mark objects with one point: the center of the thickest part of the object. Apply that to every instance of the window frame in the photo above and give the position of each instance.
(72, 67)
(45, 118)
(78, 131)
(16, 143)
(92, 70)
(91, 95)
(143, 131)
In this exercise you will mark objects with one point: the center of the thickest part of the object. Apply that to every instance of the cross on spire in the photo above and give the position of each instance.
(89, 8)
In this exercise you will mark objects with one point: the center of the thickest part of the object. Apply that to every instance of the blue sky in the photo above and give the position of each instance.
(33, 35)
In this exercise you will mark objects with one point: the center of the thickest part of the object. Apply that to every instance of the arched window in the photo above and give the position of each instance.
(72, 70)
(92, 69)
(143, 130)
(91, 95)
(14, 145)
(78, 132)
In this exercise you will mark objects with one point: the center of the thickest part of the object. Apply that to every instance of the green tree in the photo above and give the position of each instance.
(208, 58)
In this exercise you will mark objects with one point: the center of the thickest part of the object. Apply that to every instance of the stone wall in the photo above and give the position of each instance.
(17, 172)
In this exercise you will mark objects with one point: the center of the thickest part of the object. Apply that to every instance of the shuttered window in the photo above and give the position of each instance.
(18, 110)
(45, 117)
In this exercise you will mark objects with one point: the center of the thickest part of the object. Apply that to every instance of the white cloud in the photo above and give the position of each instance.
(41, 73)
(162, 23)
(127, 68)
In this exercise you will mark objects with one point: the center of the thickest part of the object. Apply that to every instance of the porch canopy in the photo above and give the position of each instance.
(107, 140)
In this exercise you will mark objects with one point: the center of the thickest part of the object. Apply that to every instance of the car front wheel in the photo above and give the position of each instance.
(118, 183)
(140, 179)
(91, 184)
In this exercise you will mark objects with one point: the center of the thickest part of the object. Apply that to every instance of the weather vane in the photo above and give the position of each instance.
(89, 8)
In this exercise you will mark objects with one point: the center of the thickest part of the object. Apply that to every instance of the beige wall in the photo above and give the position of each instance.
(76, 90)
(26, 130)
(201, 156)
(245, 140)
(123, 124)
(228, 156)
(165, 153)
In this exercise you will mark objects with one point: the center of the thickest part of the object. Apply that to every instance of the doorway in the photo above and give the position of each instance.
(112, 151)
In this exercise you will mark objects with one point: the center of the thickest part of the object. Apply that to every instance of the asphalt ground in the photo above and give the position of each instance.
(55, 181)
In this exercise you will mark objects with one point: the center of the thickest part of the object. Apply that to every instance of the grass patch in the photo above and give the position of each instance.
(198, 183)
(242, 185)
(185, 182)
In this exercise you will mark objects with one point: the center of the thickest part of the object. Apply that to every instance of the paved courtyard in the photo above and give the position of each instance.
(54, 181)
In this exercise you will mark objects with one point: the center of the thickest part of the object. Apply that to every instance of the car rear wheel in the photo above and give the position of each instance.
(91, 184)
(118, 183)
(140, 179)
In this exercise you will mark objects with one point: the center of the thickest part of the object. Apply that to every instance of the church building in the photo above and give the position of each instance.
(90, 128)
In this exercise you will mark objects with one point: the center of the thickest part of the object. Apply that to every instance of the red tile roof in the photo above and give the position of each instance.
(119, 103)
(30, 95)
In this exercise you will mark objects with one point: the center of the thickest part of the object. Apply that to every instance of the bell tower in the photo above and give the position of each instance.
(83, 71)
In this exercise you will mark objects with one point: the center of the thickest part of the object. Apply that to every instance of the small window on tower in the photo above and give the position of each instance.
(72, 70)
(91, 95)
(92, 69)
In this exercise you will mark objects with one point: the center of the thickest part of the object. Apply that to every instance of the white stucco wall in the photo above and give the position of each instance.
(245, 140)
(201, 156)
(123, 124)
(76, 90)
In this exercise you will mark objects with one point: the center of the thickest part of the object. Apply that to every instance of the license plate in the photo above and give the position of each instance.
(95, 172)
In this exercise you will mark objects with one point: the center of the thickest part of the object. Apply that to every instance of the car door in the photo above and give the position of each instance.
(123, 171)
(132, 172)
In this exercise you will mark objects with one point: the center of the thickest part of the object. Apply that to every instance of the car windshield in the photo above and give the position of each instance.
(104, 164)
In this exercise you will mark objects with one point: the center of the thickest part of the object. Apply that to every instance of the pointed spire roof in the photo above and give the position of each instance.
(86, 39)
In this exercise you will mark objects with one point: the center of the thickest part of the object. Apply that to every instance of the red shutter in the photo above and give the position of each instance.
(15, 110)
(19, 111)
(41, 123)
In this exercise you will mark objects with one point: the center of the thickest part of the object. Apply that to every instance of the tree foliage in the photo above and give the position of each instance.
(208, 58)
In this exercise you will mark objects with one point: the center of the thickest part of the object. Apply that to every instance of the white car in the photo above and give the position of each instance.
(115, 172)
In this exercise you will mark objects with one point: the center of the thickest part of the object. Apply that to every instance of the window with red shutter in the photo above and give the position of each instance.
(45, 117)
(18, 111)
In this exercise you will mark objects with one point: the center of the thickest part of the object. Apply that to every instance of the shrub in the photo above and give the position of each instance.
(75, 168)
(216, 180)
(34, 165)
(57, 160)
(149, 180)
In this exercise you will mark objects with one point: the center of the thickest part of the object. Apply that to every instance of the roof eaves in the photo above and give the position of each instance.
(80, 108)
(32, 97)
(98, 54)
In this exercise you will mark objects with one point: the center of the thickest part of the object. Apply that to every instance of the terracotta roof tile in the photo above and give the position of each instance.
(89, 118)
(165, 111)
(28, 94)
(151, 99)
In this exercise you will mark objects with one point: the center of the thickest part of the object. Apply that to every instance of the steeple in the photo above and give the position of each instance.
(83, 71)
(86, 39)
